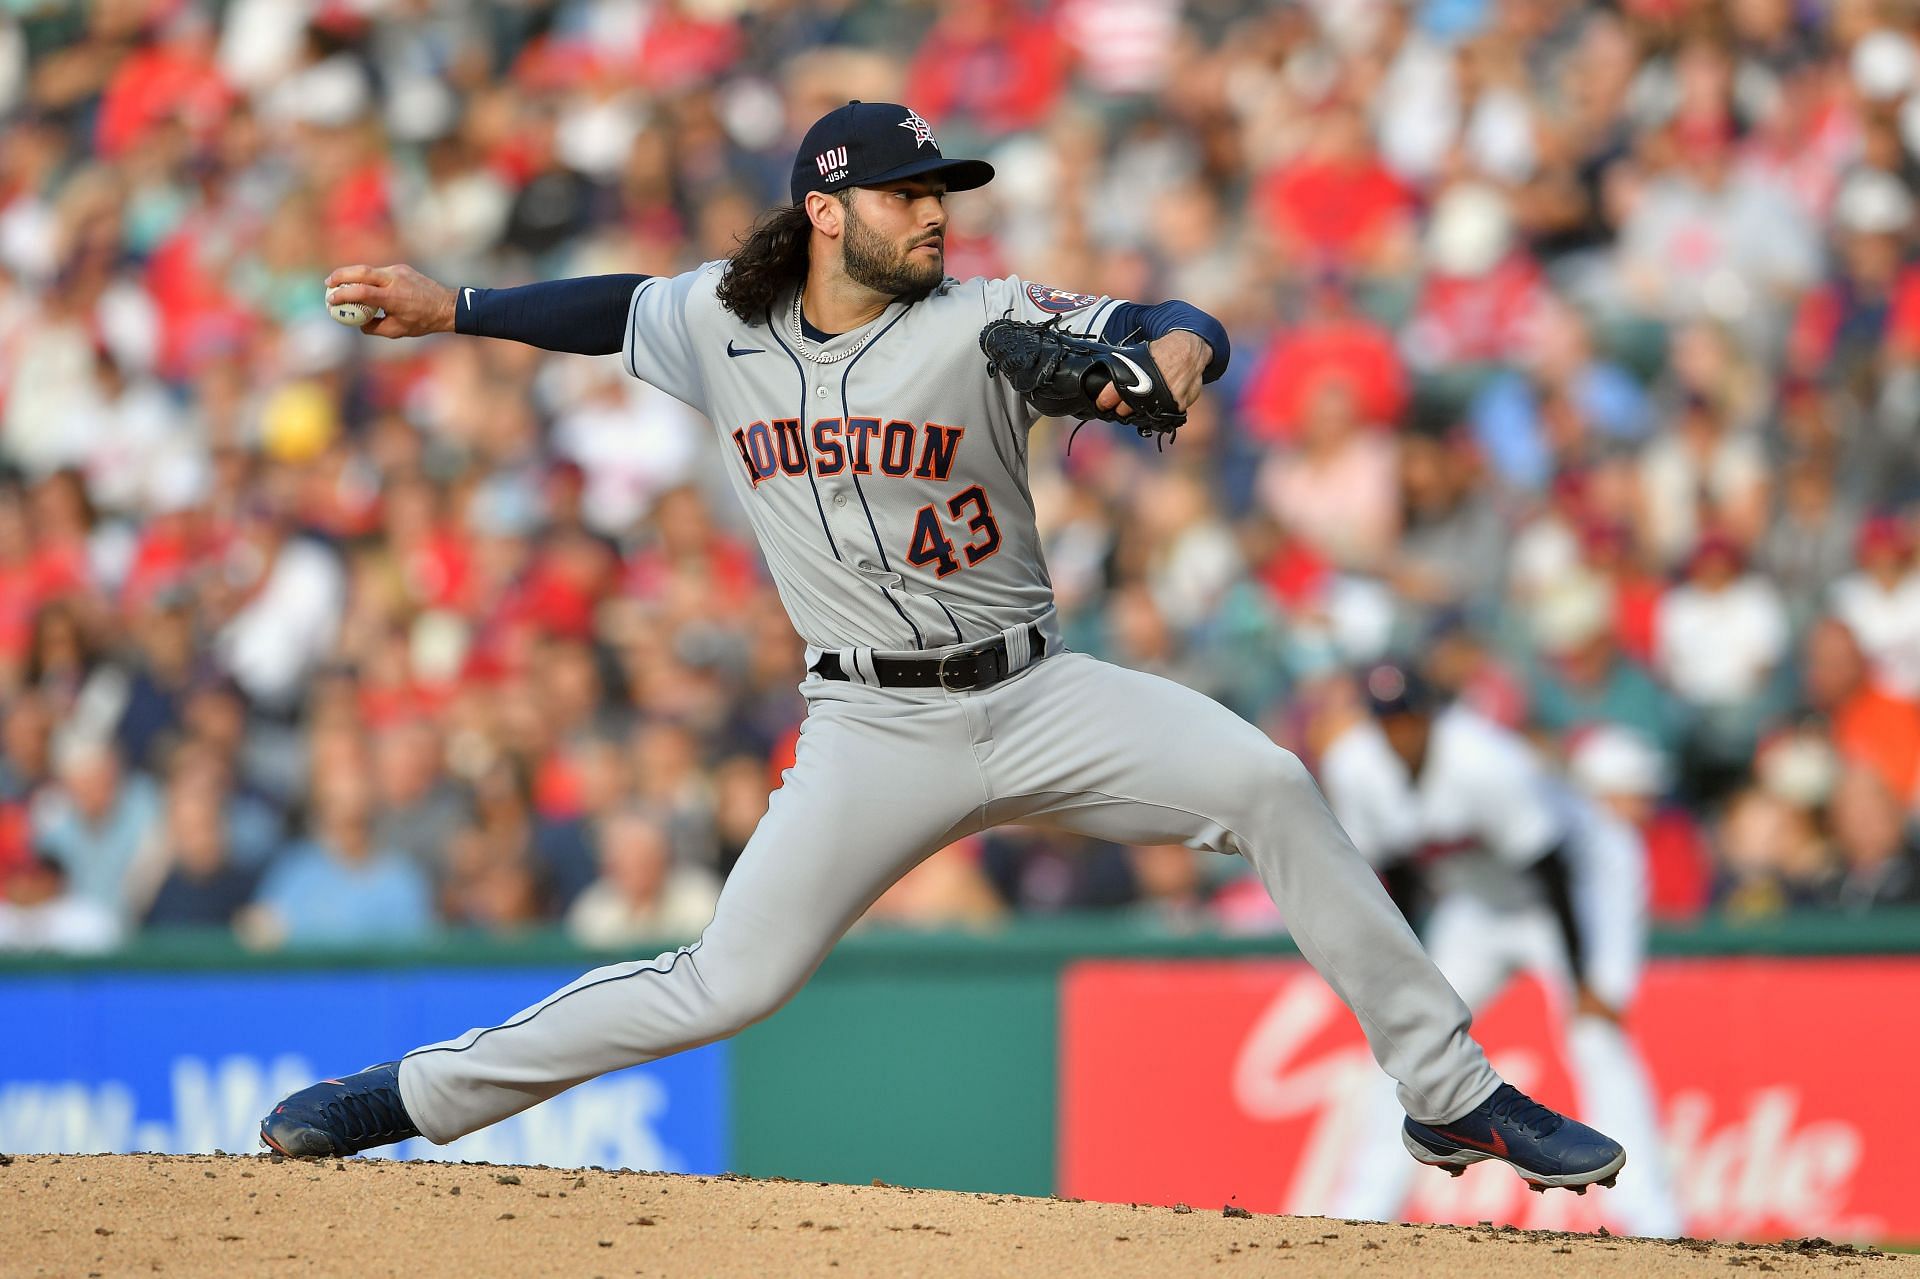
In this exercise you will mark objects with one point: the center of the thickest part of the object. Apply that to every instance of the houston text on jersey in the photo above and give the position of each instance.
(866, 445)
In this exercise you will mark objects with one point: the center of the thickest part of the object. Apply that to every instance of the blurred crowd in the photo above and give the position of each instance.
(1577, 354)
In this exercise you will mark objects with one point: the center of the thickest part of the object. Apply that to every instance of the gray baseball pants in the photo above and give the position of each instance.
(886, 777)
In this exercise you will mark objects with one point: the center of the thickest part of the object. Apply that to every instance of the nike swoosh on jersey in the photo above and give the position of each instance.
(1141, 382)
(737, 352)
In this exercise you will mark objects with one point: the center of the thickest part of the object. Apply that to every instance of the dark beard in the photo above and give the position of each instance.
(871, 261)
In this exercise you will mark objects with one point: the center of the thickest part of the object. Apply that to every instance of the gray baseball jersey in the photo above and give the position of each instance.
(887, 488)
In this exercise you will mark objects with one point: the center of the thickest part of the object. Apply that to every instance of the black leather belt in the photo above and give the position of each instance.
(957, 672)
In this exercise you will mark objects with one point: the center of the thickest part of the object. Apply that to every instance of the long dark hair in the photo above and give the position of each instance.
(771, 257)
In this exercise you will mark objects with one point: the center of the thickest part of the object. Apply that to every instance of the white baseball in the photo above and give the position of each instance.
(353, 314)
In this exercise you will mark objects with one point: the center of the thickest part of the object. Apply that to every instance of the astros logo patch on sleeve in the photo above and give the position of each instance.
(1058, 301)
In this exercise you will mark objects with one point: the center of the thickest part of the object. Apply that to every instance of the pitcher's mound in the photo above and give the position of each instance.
(262, 1215)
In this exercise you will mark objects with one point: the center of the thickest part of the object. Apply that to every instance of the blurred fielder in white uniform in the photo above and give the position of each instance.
(1525, 875)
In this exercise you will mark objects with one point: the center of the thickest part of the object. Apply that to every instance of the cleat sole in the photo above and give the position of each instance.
(1541, 1187)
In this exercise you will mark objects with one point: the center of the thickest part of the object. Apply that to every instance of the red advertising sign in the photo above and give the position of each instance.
(1782, 1090)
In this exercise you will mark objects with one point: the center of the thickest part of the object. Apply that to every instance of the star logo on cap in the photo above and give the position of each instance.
(922, 131)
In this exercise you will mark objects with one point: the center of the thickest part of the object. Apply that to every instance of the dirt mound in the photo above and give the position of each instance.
(228, 1214)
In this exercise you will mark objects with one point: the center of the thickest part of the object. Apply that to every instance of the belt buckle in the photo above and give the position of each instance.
(974, 671)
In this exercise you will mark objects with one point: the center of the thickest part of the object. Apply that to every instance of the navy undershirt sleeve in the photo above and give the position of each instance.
(587, 315)
(1131, 322)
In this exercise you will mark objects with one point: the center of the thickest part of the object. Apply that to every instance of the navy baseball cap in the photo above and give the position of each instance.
(1393, 689)
(864, 144)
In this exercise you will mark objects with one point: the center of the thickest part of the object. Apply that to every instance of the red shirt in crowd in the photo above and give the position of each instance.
(16, 841)
(358, 202)
(558, 596)
(1636, 605)
(171, 546)
(681, 50)
(196, 321)
(1335, 211)
(438, 570)
(158, 85)
(1679, 867)
(28, 585)
(1297, 576)
(1290, 371)
(1480, 318)
(1882, 732)
(1827, 310)
(990, 64)
(726, 567)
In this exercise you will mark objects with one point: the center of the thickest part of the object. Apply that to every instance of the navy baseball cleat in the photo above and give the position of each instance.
(341, 1116)
(1545, 1147)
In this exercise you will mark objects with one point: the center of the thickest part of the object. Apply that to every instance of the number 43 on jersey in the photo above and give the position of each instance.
(932, 546)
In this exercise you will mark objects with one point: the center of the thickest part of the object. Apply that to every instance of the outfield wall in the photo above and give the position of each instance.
(1100, 1059)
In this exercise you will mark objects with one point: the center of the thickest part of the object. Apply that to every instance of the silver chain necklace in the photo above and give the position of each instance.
(800, 337)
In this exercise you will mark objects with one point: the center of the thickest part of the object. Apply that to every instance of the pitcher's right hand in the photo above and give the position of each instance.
(414, 304)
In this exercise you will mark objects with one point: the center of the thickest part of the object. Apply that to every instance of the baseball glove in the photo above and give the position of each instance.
(1062, 373)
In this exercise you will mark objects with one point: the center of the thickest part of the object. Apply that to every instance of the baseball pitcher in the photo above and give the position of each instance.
(874, 415)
